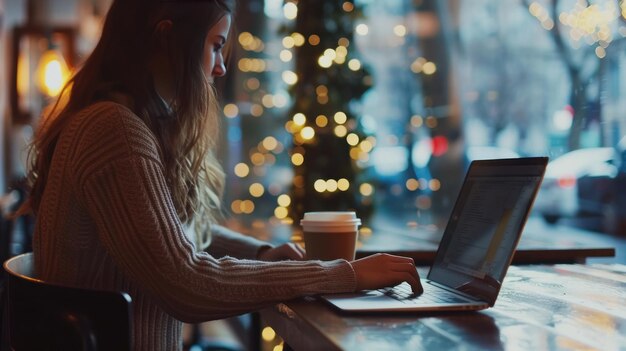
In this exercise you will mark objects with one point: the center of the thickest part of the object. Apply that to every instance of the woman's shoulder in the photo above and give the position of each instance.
(108, 123)
(109, 113)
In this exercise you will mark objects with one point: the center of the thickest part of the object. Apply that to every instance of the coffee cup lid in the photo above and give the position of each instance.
(330, 218)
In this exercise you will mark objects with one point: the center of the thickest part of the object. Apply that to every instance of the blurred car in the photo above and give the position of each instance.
(603, 192)
(620, 187)
(584, 182)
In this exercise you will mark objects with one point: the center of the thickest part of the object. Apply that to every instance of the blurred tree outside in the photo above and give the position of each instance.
(582, 33)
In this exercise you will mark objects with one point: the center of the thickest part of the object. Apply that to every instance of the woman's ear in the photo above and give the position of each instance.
(161, 33)
(164, 26)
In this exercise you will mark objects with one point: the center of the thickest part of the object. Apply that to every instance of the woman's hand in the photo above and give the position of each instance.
(382, 270)
(288, 251)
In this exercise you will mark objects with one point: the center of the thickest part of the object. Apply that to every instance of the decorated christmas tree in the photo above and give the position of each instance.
(329, 148)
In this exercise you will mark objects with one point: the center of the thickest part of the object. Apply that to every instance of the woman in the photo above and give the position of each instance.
(126, 187)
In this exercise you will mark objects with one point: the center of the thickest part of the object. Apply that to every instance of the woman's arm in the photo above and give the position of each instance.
(128, 198)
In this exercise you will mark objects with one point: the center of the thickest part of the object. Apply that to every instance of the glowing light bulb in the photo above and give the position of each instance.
(52, 73)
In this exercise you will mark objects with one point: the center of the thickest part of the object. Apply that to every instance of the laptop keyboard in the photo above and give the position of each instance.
(403, 293)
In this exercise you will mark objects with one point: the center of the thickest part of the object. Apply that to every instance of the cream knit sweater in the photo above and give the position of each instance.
(106, 221)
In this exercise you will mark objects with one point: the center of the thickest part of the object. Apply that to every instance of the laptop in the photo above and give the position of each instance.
(477, 245)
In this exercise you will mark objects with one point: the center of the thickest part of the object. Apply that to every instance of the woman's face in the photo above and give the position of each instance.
(213, 61)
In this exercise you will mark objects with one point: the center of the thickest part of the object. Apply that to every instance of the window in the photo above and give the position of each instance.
(451, 81)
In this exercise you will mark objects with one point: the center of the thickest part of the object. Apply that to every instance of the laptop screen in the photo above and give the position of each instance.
(485, 225)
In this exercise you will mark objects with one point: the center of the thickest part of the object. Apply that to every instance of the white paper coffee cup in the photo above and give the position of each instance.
(330, 235)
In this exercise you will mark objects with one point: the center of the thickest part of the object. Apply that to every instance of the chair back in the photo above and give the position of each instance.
(44, 316)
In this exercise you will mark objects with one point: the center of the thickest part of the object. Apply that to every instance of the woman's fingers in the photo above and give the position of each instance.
(291, 251)
(382, 270)
(408, 273)
(298, 252)
(414, 281)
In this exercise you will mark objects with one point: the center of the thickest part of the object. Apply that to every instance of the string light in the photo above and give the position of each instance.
(298, 39)
(314, 39)
(354, 64)
(257, 159)
(352, 139)
(280, 100)
(429, 68)
(270, 143)
(355, 153)
(340, 117)
(291, 127)
(268, 334)
(250, 43)
(343, 42)
(256, 110)
(366, 145)
(285, 55)
(256, 189)
(235, 206)
(366, 189)
(281, 212)
(362, 29)
(290, 11)
(231, 110)
(288, 42)
(297, 159)
(416, 121)
(307, 133)
(331, 185)
(321, 90)
(299, 119)
(241, 170)
(319, 185)
(431, 122)
(343, 184)
(399, 30)
(267, 100)
(245, 39)
(340, 131)
(412, 184)
(324, 61)
(253, 83)
(321, 121)
(434, 184)
(289, 77)
(251, 65)
(284, 200)
(242, 206)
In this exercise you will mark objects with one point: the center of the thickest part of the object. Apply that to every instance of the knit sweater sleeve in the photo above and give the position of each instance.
(122, 185)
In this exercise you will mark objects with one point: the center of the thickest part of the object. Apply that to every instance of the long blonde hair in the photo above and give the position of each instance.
(187, 131)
